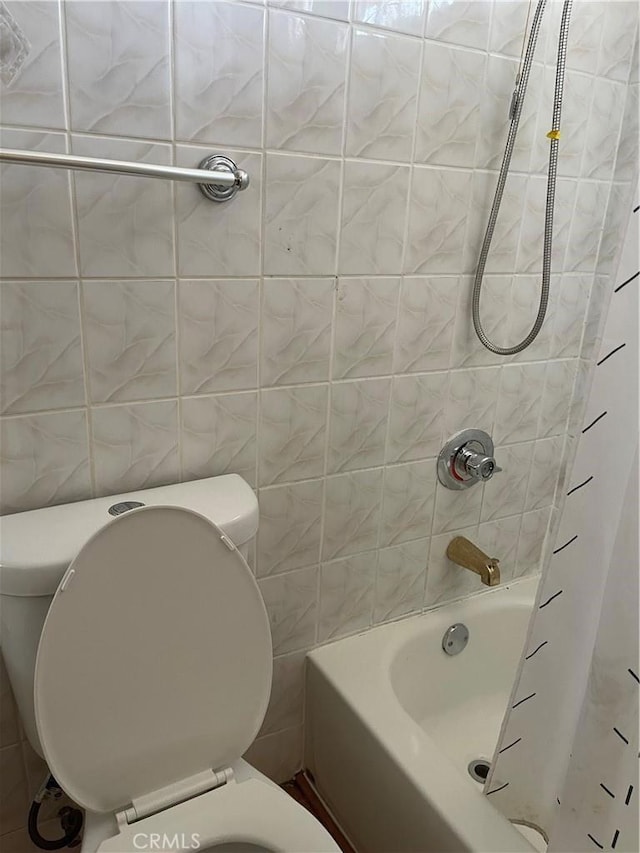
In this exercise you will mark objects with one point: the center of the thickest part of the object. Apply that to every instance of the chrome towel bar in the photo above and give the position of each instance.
(218, 177)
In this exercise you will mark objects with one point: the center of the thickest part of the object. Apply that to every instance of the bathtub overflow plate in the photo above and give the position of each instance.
(455, 639)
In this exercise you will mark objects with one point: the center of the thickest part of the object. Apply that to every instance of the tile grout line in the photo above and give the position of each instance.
(75, 225)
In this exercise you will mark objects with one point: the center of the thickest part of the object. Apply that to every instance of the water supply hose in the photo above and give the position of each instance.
(70, 818)
(553, 136)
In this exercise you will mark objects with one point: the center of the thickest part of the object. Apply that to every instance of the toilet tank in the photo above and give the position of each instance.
(37, 547)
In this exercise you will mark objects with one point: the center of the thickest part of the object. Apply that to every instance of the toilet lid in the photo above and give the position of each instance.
(154, 662)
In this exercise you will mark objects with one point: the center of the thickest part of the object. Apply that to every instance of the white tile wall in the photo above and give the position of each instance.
(314, 334)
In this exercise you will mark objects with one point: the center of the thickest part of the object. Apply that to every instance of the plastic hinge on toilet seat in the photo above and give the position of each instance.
(172, 795)
(154, 664)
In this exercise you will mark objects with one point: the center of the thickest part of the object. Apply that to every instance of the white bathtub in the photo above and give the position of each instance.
(393, 722)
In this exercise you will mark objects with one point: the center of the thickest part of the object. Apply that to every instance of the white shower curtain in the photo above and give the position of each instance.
(567, 758)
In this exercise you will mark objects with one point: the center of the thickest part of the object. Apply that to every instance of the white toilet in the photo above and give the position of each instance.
(147, 674)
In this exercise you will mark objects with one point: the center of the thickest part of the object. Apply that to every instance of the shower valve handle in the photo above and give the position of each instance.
(470, 462)
(466, 459)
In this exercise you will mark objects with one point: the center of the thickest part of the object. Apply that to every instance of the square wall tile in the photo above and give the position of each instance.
(473, 395)
(289, 532)
(358, 417)
(292, 433)
(296, 330)
(518, 409)
(218, 436)
(130, 338)
(440, 200)
(346, 596)
(507, 26)
(219, 83)
(408, 502)
(125, 224)
(404, 16)
(45, 460)
(465, 23)
(135, 447)
(36, 240)
(307, 70)
(352, 513)
(451, 90)
(400, 580)
(301, 219)
(586, 226)
(456, 510)
(365, 326)
(34, 95)
(373, 218)
(417, 415)
(587, 24)
(41, 365)
(118, 65)
(382, 96)
(603, 129)
(616, 48)
(425, 323)
(292, 601)
(218, 322)
(219, 239)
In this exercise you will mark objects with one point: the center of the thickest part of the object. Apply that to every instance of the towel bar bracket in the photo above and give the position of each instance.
(216, 192)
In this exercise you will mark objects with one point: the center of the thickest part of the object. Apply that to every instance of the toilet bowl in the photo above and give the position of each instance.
(152, 678)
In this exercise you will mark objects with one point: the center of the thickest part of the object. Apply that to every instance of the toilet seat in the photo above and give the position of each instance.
(153, 671)
(253, 811)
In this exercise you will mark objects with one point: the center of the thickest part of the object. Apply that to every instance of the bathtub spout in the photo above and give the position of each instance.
(469, 556)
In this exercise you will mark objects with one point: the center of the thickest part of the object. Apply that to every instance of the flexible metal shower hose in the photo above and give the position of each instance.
(553, 135)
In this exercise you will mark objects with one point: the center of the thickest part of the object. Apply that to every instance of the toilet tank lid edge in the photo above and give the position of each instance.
(37, 546)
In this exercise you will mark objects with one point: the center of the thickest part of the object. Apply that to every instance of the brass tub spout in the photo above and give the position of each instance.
(469, 556)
